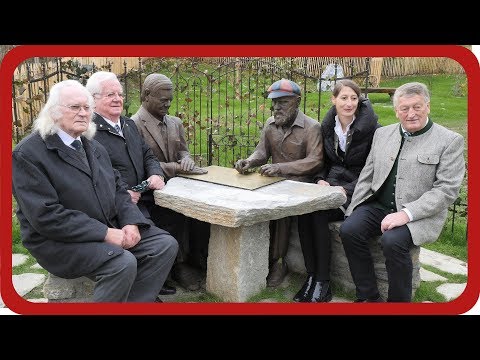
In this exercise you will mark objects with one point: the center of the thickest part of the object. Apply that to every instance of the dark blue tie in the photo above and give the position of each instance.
(117, 128)
(77, 144)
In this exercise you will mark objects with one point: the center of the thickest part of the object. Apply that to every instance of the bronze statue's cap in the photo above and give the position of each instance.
(283, 87)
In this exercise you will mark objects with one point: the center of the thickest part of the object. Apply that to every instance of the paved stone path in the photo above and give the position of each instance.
(26, 282)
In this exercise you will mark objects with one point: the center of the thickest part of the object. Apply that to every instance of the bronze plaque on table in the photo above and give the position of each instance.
(231, 177)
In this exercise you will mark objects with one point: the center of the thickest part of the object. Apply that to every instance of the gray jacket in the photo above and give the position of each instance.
(431, 168)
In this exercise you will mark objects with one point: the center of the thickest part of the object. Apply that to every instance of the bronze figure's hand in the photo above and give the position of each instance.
(187, 164)
(197, 171)
(270, 170)
(242, 166)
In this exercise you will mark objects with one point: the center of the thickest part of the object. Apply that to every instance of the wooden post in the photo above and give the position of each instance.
(376, 71)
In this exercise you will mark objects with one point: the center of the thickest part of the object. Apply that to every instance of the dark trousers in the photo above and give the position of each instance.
(355, 232)
(138, 274)
(279, 238)
(192, 235)
(315, 240)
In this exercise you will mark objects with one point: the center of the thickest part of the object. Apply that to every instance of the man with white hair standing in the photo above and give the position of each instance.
(76, 216)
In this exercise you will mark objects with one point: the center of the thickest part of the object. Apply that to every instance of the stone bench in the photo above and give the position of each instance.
(340, 272)
(57, 289)
(80, 290)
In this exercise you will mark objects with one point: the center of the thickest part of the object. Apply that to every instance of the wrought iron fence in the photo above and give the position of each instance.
(223, 105)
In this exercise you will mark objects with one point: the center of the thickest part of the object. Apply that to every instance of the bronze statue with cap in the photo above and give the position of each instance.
(290, 146)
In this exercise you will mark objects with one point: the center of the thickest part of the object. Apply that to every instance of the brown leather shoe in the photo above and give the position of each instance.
(186, 276)
(277, 273)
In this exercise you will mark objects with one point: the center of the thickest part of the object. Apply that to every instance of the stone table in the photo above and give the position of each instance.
(237, 264)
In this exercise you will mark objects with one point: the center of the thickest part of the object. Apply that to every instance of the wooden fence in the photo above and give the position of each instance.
(390, 66)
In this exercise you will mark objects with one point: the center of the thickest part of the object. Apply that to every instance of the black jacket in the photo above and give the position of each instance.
(339, 171)
(65, 207)
(130, 155)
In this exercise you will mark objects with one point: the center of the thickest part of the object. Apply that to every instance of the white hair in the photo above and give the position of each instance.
(46, 123)
(94, 83)
(411, 89)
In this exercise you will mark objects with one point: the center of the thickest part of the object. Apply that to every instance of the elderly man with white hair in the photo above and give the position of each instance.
(76, 216)
(138, 166)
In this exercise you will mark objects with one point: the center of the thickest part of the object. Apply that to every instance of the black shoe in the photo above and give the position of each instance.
(187, 276)
(320, 291)
(158, 300)
(374, 300)
(167, 290)
(301, 295)
(277, 273)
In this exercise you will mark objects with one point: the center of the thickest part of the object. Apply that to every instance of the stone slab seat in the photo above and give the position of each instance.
(61, 290)
(340, 272)
(80, 290)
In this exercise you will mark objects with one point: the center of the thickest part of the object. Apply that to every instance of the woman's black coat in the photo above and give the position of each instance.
(339, 171)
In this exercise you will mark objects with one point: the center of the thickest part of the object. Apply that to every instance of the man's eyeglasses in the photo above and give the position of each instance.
(77, 108)
(112, 95)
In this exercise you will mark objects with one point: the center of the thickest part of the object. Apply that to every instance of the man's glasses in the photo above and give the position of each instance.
(76, 108)
(112, 95)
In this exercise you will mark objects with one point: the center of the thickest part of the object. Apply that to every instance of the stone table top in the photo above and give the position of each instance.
(233, 207)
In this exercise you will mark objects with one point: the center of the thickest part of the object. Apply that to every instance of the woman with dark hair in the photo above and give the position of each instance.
(347, 131)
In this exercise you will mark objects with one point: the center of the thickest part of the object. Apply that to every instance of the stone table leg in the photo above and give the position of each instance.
(237, 264)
